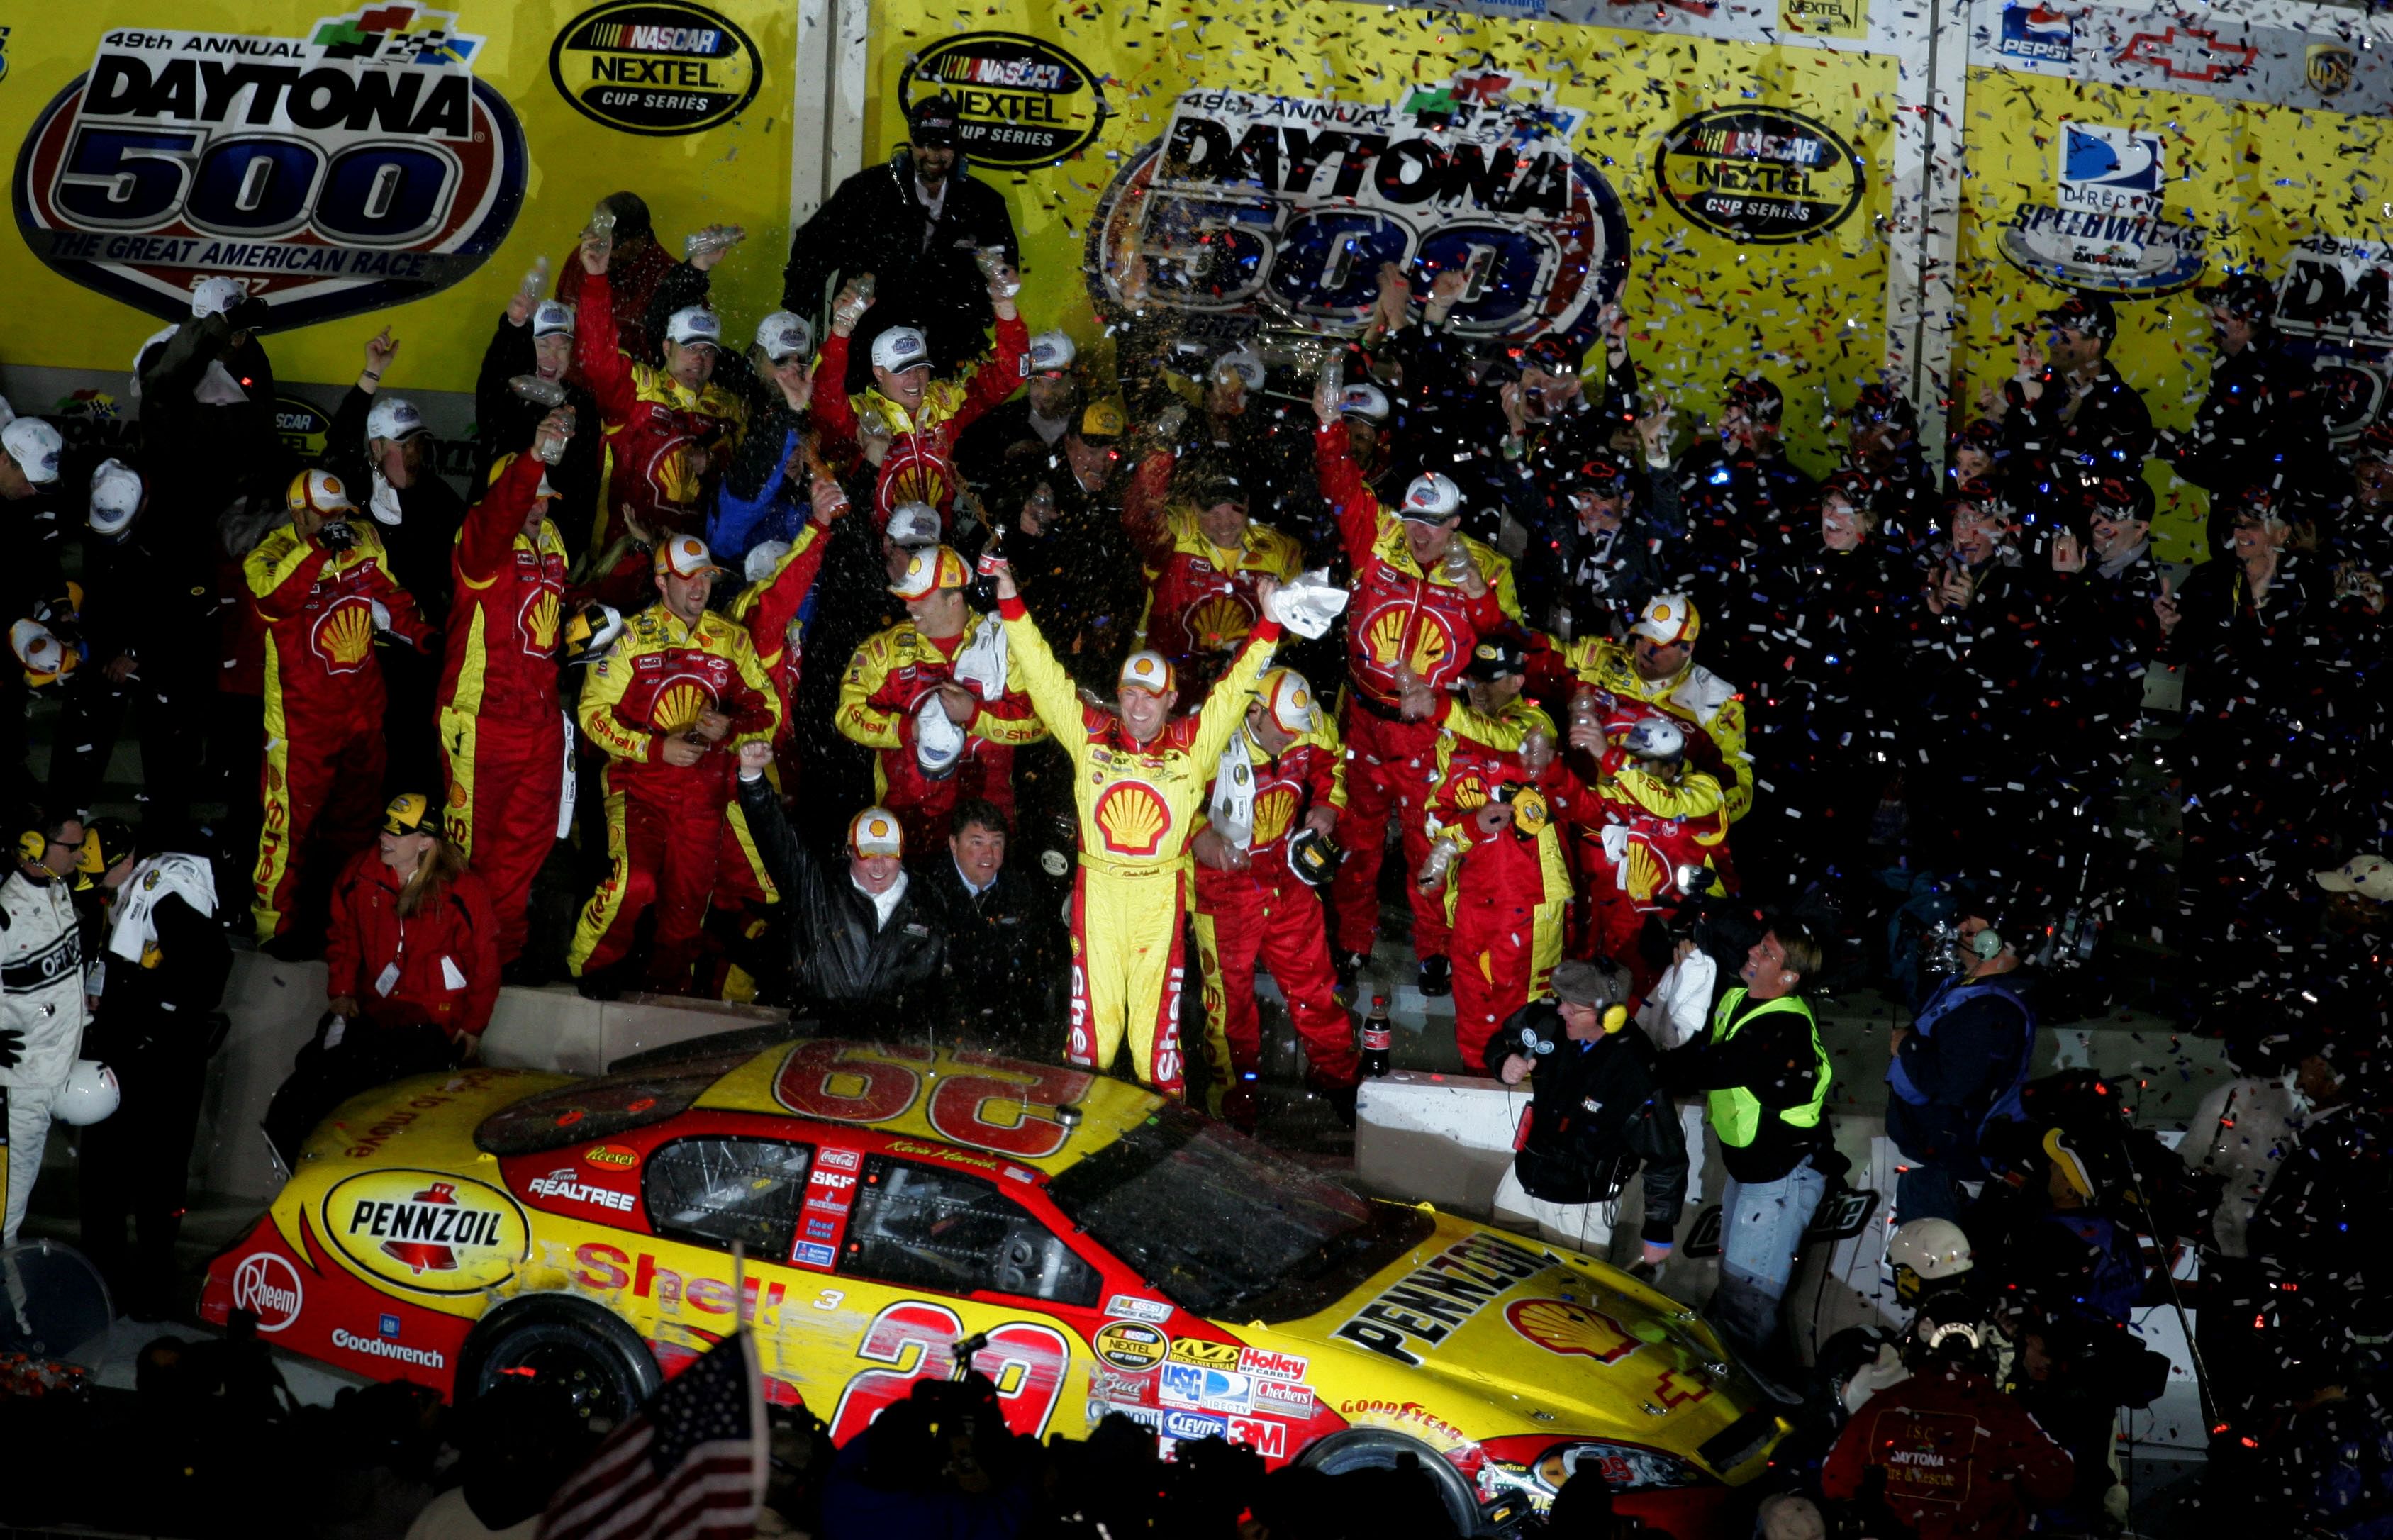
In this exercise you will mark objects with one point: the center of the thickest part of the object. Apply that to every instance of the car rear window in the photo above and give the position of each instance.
(603, 1107)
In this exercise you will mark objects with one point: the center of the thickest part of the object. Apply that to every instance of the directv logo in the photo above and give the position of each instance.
(2036, 31)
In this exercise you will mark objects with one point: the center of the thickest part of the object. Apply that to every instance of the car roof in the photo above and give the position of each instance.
(1012, 1107)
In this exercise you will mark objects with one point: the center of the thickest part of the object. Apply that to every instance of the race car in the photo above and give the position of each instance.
(864, 1206)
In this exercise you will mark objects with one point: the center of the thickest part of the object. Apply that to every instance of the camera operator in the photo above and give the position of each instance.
(1596, 1113)
(1958, 1065)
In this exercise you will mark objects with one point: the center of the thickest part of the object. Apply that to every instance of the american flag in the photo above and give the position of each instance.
(691, 1464)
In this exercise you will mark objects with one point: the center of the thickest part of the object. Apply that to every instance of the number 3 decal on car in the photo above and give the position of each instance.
(1025, 1359)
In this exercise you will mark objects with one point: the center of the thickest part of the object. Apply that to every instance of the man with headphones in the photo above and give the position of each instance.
(1596, 1112)
(1958, 1066)
(42, 1012)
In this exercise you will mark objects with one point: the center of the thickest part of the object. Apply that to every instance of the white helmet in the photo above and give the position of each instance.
(1655, 738)
(938, 743)
(90, 1094)
(1924, 1250)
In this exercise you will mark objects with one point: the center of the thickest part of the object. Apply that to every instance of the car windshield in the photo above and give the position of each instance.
(603, 1107)
(1225, 1227)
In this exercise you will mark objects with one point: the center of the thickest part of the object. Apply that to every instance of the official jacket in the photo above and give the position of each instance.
(1960, 1457)
(510, 597)
(439, 965)
(165, 993)
(41, 976)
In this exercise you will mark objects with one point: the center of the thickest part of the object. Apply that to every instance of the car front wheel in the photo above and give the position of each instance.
(577, 1346)
(1378, 1449)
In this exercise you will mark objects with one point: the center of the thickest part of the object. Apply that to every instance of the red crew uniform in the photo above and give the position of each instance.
(654, 423)
(1508, 895)
(1399, 617)
(439, 965)
(886, 679)
(324, 751)
(503, 732)
(1268, 913)
(920, 466)
(665, 822)
(1645, 829)
(1201, 598)
(769, 607)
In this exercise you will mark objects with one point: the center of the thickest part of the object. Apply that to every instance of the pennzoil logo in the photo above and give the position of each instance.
(426, 1231)
(656, 67)
(1021, 102)
(354, 167)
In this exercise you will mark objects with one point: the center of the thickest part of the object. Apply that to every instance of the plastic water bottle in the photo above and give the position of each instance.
(535, 281)
(1377, 1038)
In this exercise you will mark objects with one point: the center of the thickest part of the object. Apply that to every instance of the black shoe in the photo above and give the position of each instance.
(1350, 968)
(600, 985)
(1341, 1102)
(1436, 977)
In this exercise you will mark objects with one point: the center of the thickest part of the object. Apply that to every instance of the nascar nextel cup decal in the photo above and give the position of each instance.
(1021, 103)
(426, 1231)
(655, 67)
(357, 167)
(1762, 174)
(1265, 209)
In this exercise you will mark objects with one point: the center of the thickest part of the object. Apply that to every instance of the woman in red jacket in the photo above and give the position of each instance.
(413, 940)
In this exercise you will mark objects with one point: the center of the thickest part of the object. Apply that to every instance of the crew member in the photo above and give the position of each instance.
(1652, 847)
(1498, 868)
(1138, 777)
(679, 691)
(42, 1012)
(1280, 784)
(940, 701)
(1424, 595)
(536, 339)
(1655, 672)
(1597, 1112)
(411, 942)
(1201, 559)
(2262, 422)
(1768, 1077)
(503, 738)
(167, 961)
(774, 608)
(323, 591)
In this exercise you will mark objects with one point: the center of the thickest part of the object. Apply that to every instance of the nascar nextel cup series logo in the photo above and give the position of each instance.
(655, 67)
(1021, 103)
(1277, 210)
(355, 167)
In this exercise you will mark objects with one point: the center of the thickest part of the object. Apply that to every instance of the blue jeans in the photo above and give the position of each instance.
(1761, 1230)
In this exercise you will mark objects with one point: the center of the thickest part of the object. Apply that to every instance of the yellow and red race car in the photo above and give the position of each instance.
(1119, 1252)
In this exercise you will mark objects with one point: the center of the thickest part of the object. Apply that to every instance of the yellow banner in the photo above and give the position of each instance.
(392, 165)
(1729, 194)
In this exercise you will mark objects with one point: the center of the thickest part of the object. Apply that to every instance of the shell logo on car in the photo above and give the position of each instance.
(895, 1205)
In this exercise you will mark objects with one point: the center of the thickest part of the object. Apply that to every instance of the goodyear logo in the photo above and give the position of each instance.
(426, 1231)
(655, 67)
(1021, 102)
(352, 168)
(1758, 174)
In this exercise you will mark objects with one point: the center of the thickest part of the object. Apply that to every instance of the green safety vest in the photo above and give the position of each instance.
(1737, 1112)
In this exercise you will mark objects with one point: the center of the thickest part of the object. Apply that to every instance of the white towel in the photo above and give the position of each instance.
(1307, 603)
(980, 662)
(135, 927)
(1231, 811)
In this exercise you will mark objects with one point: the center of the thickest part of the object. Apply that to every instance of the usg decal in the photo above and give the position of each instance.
(655, 67)
(1252, 207)
(426, 1231)
(355, 167)
(1021, 103)
(1758, 174)
(268, 1287)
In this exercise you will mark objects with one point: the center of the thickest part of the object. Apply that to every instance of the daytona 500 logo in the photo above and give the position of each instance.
(355, 167)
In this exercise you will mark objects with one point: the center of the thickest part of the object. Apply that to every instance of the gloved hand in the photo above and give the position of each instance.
(12, 1047)
(1307, 603)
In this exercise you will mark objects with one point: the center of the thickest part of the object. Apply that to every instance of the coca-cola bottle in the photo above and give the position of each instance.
(1377, 1038)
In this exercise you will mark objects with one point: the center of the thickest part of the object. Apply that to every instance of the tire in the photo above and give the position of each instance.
(1377, 1449)
(572, 1343)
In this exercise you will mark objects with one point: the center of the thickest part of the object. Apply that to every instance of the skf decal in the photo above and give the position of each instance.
(1427, 1304)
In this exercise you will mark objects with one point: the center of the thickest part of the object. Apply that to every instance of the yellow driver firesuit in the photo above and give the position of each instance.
(1139, 806)
(1692, 693)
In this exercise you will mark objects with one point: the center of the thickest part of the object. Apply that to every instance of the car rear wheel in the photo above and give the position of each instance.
(1377, 1449)
(573, 1344)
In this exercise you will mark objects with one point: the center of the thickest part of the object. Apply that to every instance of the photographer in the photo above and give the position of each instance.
(1957, 1066)
(1596, 1113)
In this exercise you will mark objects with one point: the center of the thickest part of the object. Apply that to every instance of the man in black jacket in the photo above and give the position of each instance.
(1596, 1113)
(913, 223)
(165, 962)
(866, 950)
(2262, 423)
(2071, 415)
(1005, 963)
(537, 339)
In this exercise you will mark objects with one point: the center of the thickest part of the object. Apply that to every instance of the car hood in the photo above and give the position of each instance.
(1510, 1335)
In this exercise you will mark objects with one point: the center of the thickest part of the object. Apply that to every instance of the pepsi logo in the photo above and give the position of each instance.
(358, 166)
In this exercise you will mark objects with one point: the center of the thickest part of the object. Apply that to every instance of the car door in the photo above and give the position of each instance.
(703, 1193)
(941, 1251)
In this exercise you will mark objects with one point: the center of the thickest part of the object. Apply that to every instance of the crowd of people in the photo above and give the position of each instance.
(920, 674)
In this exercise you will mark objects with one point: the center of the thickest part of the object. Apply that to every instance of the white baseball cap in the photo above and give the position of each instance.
(1289, 700)
(2369, 876)
(685, 557)
(1667, 619)
(899, 349)
(394, 417)
(1433, 498)
(116, 493)
(1148, 670)
(35, 447)
(213, 296)
(762, 556)
(44, 657)
(913, 525)
(875, 831)
(1366, 401)
(550, 317)
(1246, 363)
(694, 325)
(1050, 353)
(929, 570)
(784, 335)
